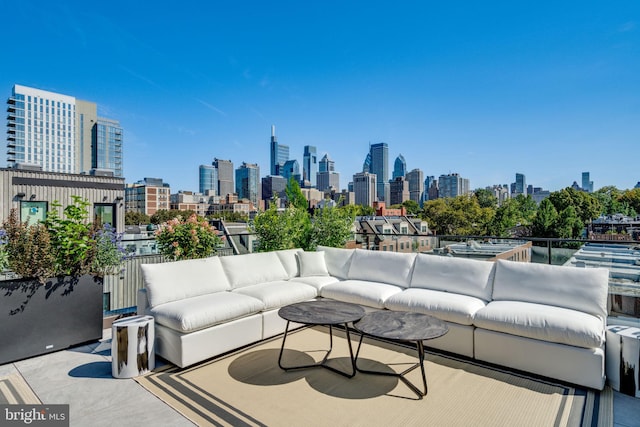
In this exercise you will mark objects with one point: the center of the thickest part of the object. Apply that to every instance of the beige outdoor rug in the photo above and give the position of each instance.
(247, 388)
(15, 390)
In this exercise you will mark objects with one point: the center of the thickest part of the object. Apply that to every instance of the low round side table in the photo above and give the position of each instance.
(132, 346)
(322, 312)
(399, 327)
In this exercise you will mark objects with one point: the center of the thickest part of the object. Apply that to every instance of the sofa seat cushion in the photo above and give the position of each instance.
(371, 294)
(192, 314)
(447, 306)
(317, 282)
(279, 293)
(394, 268)
(174, 281)
(542, 322)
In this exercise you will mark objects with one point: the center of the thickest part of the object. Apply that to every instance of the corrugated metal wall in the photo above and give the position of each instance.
(123, 288)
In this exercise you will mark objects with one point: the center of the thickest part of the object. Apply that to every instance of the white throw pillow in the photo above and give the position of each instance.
(312, 264)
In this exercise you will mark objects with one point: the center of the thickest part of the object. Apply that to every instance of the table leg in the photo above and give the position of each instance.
(401, 375)
(322, 363)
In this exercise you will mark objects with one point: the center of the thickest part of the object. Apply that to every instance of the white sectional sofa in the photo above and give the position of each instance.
(547, 320)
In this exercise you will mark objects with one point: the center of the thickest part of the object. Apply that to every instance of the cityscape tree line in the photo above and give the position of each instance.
(564, 214)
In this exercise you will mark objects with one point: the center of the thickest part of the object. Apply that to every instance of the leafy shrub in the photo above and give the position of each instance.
(187, 239)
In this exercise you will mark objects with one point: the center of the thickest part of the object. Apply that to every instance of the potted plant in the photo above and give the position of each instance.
(188, 238)
(56, 300)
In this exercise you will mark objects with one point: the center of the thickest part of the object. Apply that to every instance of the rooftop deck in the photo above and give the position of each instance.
(81, 377)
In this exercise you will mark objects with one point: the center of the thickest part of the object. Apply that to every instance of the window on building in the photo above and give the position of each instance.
(33, 212)
(104, 213)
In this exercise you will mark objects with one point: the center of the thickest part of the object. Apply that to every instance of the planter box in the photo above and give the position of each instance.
(37, 319)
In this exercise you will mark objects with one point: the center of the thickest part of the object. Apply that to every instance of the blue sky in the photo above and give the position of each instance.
(485, 89)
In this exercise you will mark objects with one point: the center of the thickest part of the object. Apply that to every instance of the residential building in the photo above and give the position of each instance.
(399, 167)
(225, 176)
(31, 193)
(327, 177)
(279, 153)
(107, 150)
(398, 191)
(147, 196)
(208, 179)
(60, 133)
(310, 165)
(248, 182)
(415, 178)
(452, 185)
(189, 201)
(364, 188)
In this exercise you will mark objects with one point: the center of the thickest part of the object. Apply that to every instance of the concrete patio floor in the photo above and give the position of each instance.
(81, 377)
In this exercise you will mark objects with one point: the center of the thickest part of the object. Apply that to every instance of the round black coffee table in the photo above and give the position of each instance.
(400, 326)
(322, 312)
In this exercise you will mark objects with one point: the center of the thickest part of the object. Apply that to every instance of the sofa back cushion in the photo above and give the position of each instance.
(312, 264)
(289, 261)
(251, 269)
(338, 260)
(172, 281)
(576, 288)
(393, 268)
(458, 275)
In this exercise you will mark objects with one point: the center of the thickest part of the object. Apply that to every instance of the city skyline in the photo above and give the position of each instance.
(484, 91)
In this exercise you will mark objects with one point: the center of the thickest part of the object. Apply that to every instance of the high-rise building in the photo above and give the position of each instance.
(398, 191)
(273, 185)
(399, 167)
(225, 177)
(310, 165)
(279, 153)
(107, 150)
(521, 184)
(208, 179)
(364, 188)
(248, 182)
(587, 184)
(430, 188)
(327, 176)
(380, 167)
(291, 169)
(415, 178)
(452, 185)
(60, 133)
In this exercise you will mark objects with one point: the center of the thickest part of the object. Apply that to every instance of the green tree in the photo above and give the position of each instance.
(545, 222)
(486, 199)
(284, 229)
(506, 217)
(569, 224)
(164, 215)
(460, 215)
(412, 207)
(136, 218)
(330, 226)
(295, 196)
(632, 200)
(586, 206)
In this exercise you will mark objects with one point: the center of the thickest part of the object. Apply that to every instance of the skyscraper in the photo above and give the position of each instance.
(452, 185)
(415, 178)
(107, 150)
(248, 182)
(310, 165)
(587, 184)
(208, 179)
(291, 169)
(398, 191)
(327, 177)
(380, 167)
(364, 188)
(279, 153)
(60, 133)
(399, 167)
(225, 177)
(521, 184)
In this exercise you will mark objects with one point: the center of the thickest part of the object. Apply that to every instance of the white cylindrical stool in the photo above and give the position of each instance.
(132, 346)
(623, 359)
